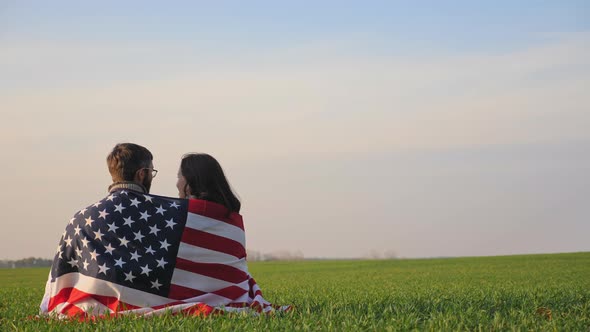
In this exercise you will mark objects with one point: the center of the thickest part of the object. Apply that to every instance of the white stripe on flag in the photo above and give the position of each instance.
(93, 307)
(197, 281)
(171, 309)
(58, 308)
(105, 288)
(215, 227)
(204, 255)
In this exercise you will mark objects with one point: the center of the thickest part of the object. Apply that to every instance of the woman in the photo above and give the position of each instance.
(201, 177)
(215, 231)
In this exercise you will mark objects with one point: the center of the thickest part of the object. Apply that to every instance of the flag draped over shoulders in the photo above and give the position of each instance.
(147, 254)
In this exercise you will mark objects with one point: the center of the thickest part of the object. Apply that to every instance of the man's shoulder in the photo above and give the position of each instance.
(91, 208)
(121, 199)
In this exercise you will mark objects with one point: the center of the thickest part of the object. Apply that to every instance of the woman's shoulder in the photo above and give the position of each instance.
(215, 211)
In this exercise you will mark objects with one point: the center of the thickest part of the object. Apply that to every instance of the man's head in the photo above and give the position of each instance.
(131, 162)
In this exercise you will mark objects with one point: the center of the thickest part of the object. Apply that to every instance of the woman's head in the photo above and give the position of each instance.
(201, 176)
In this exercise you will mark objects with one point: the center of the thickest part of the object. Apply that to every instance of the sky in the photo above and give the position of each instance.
(348, 129)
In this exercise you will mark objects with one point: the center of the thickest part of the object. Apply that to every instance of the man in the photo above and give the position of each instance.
(94, 243)
(134, 253)
(131, 167)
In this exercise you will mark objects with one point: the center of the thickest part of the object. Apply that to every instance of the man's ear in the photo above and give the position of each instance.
(140, 175)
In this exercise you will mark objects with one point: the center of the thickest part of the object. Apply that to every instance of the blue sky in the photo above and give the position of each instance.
(422, 128)
(451, 25)
(250, 31)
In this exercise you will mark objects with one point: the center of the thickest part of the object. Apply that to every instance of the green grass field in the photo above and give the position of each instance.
(483, 293)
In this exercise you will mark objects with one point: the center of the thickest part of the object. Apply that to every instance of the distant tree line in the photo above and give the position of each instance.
(253, 255)
(282, 255)
(26, 262)
(378, 254)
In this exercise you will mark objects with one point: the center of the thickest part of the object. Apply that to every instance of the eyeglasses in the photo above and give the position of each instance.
(153, 170)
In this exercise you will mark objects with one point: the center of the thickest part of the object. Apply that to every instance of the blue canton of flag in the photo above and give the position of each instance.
(127, 238)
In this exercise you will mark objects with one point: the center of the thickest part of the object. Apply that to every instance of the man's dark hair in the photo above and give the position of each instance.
(126, 159)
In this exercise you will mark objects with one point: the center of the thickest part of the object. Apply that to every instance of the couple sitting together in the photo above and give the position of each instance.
(137, 253)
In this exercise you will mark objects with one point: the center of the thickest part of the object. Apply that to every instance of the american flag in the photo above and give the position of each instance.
(146, 254)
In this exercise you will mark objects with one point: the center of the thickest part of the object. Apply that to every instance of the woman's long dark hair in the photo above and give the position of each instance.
(206, 180)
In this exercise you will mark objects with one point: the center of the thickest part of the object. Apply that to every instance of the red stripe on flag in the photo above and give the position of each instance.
(251, 285)
(213, 242)
(213, 270)
(73, 311)
(178, 292)
(231, 292)
(113, 303)
(215, 211)
(59, 298)
(74, 295)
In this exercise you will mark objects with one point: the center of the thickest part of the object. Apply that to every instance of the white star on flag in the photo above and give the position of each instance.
(119, 262)
(161, 262)
(73, 262)
(135, 202)
(164, 245)
(103, 214)
(170, 223)
(98, 235)
(109, 249)
(156, 284)
(119, 208)
(129, 276)
(103, 268)
(89, 221)
(145, 270)
(135, 255)
(84, 242)
(154, 230)
(148, 198)
(124, 241)
(77, 230)
(128, 221)
(111, 197)
(94, 254)
(68, 242)
(174, 205)
(160, 210)
(149, 250)
(144, 215)
(85, 264)
(138, 236)
(112, 227)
